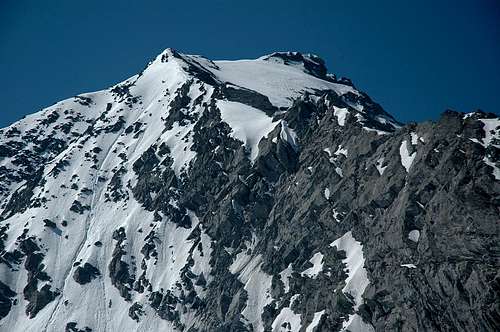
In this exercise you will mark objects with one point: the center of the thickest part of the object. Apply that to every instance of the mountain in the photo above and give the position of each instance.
(250, 195)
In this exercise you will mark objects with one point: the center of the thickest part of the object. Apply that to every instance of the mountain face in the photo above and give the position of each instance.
(251, 195)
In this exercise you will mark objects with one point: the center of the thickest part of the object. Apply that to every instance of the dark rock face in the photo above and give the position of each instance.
(312, 63)
(344, 219)
(73, 327)
(6, 295)
(84, 274)
(135, 312)
(118, 269)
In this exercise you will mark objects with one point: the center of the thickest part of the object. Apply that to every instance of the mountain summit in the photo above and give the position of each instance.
(249, 195)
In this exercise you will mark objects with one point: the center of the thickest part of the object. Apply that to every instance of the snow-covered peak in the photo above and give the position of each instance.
(280, 76)
(172, 200)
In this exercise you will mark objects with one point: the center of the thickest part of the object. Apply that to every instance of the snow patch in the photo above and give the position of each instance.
(317, 261)
(357, 279)
(288, 135)
(356, 324)
(341, 114)
(414, 235)
(336, 215)
(414, 138)
(249, 125)
(288, 318)
(379, 166)
(338, 170)
(496, 170)
(341, 150)
(315, 321)
(285, 276)
(257, 284)
(406, 158)
(327, 193)
(491, 131)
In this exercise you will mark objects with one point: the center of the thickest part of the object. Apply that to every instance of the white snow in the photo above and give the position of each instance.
(490, 131)
(315, 321)
(179, 140)
(356, 324)
(496, 170)
(341, 150)
(257, 284)
(379, 132)
(279, 82)
(249, 125)
(414, 138)
(379, 166)
(286, 316)
(410, 266)
(341, 114)
(406, 158)
(288, 135)
(491, 128)
(338, 170)
(327, 193)
(357, 279)
(336, 215)
(313, 271)
(331, 158)
(285, 276)
(414, 235)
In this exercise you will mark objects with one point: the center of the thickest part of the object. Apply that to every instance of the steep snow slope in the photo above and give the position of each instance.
(204, 195)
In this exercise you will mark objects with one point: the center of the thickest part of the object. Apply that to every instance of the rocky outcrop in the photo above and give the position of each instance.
(84, 274)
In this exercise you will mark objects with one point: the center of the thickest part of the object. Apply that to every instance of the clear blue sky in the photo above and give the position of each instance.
(415, 59)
